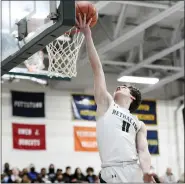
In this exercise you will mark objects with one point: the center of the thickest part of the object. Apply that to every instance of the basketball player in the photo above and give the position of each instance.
(121, 136)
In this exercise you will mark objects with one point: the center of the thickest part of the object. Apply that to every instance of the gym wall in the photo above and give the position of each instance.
(59, 133)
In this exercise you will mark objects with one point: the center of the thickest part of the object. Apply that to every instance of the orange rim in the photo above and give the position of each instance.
(76, 30)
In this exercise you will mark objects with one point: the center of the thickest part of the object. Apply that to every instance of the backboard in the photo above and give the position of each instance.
(28, 26)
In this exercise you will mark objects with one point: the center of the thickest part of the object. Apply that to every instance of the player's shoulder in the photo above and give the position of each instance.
(142, 127)
(103, 107)
(139, 123)
(136, 119)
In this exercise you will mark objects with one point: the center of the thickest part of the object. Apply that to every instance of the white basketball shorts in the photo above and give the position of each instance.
(127, 172)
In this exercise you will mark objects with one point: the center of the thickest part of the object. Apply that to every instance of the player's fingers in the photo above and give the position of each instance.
(77, 22)
(153, 180)
(84, 21)
(80, 19)
(89, 22)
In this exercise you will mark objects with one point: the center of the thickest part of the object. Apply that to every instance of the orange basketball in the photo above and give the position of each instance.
(85, 7)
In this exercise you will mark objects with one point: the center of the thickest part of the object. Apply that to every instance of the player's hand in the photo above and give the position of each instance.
(148, 178)
(83, 25)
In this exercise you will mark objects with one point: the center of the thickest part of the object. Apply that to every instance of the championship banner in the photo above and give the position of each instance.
(83, 107)
(28, 137)
(28, 104)
(85, 139)
(147, 112)
(153, 142)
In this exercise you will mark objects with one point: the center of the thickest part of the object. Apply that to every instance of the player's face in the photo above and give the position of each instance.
(123, 91)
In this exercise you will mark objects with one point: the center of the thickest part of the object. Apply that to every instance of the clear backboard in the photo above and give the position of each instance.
(28, 26)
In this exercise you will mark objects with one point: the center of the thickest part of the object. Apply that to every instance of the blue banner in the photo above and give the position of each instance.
(83, 107)
(153, 142)
(147, 112)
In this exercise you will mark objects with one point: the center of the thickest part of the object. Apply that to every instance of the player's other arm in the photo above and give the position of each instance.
(143, 152)
(102, 97)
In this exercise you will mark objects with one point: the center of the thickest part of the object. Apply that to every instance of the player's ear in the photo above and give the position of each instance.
(132, 97)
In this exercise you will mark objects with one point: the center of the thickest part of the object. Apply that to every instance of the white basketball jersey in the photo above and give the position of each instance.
(116, 135)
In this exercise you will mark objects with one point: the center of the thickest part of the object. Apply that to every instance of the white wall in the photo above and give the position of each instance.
(167, 138)
(59, 133)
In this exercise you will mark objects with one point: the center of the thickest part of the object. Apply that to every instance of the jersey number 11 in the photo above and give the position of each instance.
(125, 126)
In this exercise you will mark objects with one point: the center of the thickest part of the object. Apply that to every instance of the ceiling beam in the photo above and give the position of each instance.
(121, 21)
(101, 4)
(126, 64)
(179, 98)
(182, 57)
(132, 55)
(141, 52)
(146, 4)
(153, 58)
(163, 82)
(141, 27)
(105, 29)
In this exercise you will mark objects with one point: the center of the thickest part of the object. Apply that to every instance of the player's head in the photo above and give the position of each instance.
(131, 93)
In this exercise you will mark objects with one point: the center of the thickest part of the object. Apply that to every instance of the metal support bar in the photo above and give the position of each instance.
(65, 21)
(179, 98)
(182, 57)
(126, 64)
(141, 52)
(163, 82)
(121, 21)
(154, 58)
(101, 4)
(176, 128)
(53, 10)
(105, 29)
(141, 27)
(53, 6)
(145, 4)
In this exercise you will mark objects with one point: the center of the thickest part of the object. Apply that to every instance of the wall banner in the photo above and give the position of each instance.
(147, 112)
(83, 107)
(85, 139)
(28, 104)
(153, 142)
(28, 136)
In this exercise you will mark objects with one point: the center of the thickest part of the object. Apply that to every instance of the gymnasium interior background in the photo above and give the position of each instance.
(117, 53)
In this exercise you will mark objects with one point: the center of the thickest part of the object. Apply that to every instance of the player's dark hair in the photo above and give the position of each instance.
(137, 94)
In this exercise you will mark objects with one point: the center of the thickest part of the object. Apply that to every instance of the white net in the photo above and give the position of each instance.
(63, 54)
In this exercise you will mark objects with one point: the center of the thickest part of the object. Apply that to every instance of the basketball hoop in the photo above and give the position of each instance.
(63, 54)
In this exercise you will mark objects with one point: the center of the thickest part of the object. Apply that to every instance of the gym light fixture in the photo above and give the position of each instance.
(140, 80)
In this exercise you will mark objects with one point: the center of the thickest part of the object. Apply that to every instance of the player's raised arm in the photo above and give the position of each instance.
(102, 97)
(144, 155)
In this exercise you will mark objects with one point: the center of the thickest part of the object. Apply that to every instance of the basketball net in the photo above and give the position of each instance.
(62, 54)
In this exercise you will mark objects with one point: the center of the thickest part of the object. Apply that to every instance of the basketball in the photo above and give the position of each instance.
(85, 7)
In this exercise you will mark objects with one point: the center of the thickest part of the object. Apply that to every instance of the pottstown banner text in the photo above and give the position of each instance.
(28, 137)
(28, 104)
(85, 140)
(84, 108)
